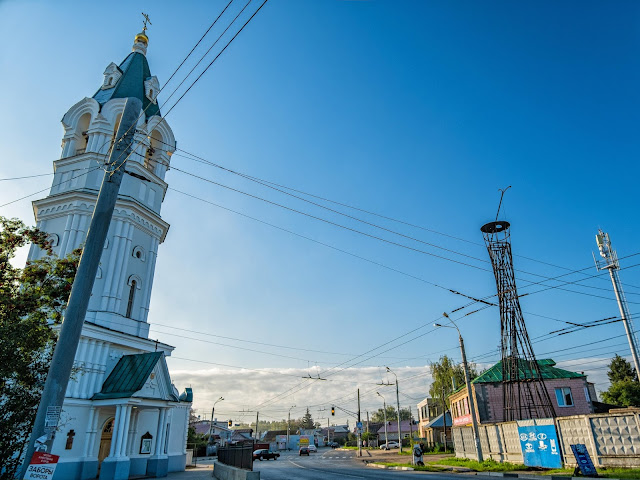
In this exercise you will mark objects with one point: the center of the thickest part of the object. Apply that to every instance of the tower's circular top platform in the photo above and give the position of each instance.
(495, 227)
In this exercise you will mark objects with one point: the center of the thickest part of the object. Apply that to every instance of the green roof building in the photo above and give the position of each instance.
(570, 392)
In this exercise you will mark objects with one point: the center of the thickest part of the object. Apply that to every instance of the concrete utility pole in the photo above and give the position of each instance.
(398, 405)
(257, 413)
(64, 353)
(289, 424)
(612, 264)
(384, 412)
(213, 409)
(359, 428)
(472, 408)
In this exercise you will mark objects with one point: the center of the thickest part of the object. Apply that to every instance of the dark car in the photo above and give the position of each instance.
(264, 454)
(333, 444)
(304, 451)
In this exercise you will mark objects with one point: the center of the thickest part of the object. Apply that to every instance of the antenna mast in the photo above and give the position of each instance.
(612, 264)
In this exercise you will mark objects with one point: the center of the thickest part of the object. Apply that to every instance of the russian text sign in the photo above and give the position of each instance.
(42, 466)
(540, 447)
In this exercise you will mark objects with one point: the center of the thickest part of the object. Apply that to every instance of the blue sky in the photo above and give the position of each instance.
(414, 110)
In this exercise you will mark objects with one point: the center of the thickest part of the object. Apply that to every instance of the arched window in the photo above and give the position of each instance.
(132, 294)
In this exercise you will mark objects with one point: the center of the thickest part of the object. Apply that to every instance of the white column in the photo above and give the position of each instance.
(97, 367)
(103, 368)
(162, 415)
(124, 260)
(92, 425)
(79, 364)
(65, 236)
(69, 148)
(120, 431)
(90, 371)
(125, 431)
(120, 258)
(110, 268)
(116, 431)
(133, 430)
(148, 280)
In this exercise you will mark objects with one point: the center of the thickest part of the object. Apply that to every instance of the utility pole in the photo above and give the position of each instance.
(384, 412)
(367, 421)
(398, 405)
(328, 432)
(359, 428)
(410, 426)
(64, 353)
(257, 413)
(467, 381)
(612, 264)
(213, 409)
(289, 425)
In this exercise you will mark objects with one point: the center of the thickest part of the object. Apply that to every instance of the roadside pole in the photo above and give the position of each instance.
(64, 353)
(359, 428)
(257, 413)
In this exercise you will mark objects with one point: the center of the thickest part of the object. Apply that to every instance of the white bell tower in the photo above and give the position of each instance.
(121, 294)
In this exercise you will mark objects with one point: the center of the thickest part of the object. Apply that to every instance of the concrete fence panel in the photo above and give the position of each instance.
(612, 439)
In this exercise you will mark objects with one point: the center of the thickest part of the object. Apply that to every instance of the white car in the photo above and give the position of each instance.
(389, 446)
(313, 448)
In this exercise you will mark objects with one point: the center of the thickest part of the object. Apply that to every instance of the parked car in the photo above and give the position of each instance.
(333, 444)
(304, 451)
(389, 446)
(264, 454)
(313, 448)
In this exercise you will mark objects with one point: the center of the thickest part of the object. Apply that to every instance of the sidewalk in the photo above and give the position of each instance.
(198, 473)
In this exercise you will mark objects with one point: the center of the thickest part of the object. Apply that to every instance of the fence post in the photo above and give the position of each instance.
(587, 418)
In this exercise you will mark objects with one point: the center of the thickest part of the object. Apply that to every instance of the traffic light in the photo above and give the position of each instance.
(230, 422)
(333, 411)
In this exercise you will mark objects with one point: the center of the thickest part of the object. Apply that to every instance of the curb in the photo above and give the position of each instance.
(529, 476)
(449, 468)
(386, 467)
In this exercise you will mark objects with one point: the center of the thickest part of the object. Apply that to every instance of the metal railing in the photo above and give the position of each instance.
(239, 456)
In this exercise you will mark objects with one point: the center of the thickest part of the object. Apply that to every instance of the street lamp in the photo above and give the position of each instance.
(474, 421)
(213, 410)
(384, 411)
(289, 425)
(398, 404)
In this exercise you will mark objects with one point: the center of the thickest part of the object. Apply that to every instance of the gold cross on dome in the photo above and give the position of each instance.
(145, 21)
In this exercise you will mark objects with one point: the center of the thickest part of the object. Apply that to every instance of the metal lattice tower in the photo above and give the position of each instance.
(523, 390)
(612, 264)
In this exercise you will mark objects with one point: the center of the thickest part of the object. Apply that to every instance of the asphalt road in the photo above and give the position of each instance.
(327, 464)
(331, 464)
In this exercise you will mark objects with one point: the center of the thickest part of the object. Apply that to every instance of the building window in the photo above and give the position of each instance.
(564, 397)
(132, 294)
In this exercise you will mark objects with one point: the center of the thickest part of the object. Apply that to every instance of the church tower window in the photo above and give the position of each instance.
(132, 294)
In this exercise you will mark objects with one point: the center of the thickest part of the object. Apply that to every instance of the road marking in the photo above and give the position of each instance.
(320, 470)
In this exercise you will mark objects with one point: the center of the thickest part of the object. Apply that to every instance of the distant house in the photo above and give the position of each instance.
(434, 432)
(570, 393)
(335, 433)
(428, 409)
(242, 435)
(406, 427)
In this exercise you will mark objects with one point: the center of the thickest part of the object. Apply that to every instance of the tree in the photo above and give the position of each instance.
(621, 370)
(624, 389)
(307, 422)
(448, 377)
(32, 299)
(378, 416)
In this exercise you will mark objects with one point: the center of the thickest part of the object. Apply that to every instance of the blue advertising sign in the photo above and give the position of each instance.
(540, 447)
(584, 460)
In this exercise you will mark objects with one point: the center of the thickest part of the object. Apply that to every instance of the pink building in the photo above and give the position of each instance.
(570, 394)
